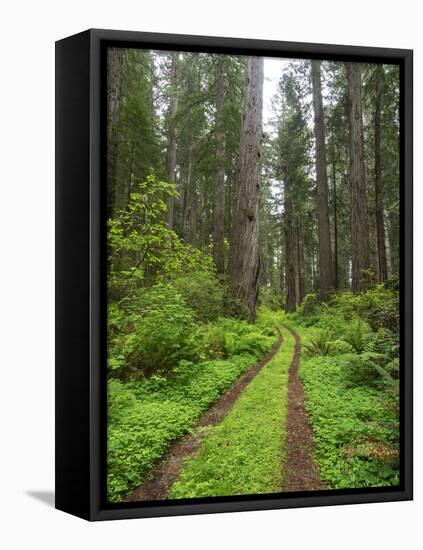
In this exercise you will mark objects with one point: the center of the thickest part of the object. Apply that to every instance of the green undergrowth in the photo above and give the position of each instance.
(146, 414)
(350, 371)
(243, 454)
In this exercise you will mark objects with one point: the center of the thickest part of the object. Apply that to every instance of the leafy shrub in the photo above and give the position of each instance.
(203, 293)
(341, 347)
(228, 337)
(319, 345)
(357, 335)
(311, 305)
(141, 247)
(160, 331)
(270, 298)
(363, 369)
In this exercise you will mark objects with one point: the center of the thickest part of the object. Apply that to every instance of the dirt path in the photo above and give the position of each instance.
(301, 472)
(167, 470)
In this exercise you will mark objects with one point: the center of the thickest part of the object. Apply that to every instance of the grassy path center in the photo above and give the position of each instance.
(243, 454)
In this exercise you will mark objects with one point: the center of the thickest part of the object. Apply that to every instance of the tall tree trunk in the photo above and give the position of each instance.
(244, 253)
(325, 251)
(114, 99)
(171, 136)
(335, 219)
(219, 180)
(300, 263)
(188, 203)
(380, 218)
(359, 217)
(290, 286)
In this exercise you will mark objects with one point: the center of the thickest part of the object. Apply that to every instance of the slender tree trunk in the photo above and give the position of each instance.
(219, 180)
(325, 252)
(171, 137)
(188, 203)
(300, 264)
(290, 284)
(114, 99)
(244, 253)
(387, 245)
(359, 216)
(380, 219)
(335, 218)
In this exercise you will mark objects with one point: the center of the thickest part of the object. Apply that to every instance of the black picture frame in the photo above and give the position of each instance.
(80, 272)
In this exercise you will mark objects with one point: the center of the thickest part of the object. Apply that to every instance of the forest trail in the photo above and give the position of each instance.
(169, 467)
(300, 471)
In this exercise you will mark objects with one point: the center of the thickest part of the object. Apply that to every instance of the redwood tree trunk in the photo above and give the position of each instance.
(219, 180)
(244, 253)
(380, 218)
(359, 217)
(325, 252)
(171, 137)
(114, 99)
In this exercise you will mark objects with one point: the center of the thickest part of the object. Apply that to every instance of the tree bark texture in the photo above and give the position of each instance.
(380, 218)
(171, 137)
(359, 216)
(244, 253)
(114, 99)
(219, 180)
(325, 252)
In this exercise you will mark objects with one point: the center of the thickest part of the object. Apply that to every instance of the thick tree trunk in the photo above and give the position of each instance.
(325, 252)
(359, 216)
(244, 253)
(114, 99)
(219, 180)
(380, 218)
(171, 137)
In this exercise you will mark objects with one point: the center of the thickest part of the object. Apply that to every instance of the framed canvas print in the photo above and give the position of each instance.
(234, 274)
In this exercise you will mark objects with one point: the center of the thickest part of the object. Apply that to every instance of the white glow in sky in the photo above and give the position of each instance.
(273, 69)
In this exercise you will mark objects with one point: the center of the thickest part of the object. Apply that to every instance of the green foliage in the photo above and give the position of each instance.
(270, 298)
(350, 372)
(146, 415)
(203, 293)
(355, 428)
(158, 332)
(357, 336)
(143, 249)
(244, 453)
(229, 337)
(320, 344)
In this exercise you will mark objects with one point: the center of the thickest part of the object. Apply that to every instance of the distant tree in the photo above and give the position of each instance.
(359, 215)
(171, 134)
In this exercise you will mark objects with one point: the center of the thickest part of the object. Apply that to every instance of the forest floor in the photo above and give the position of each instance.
(301, 472)
(167, 470)
(243, 442)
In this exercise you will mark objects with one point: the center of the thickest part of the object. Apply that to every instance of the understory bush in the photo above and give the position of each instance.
(154, 334)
